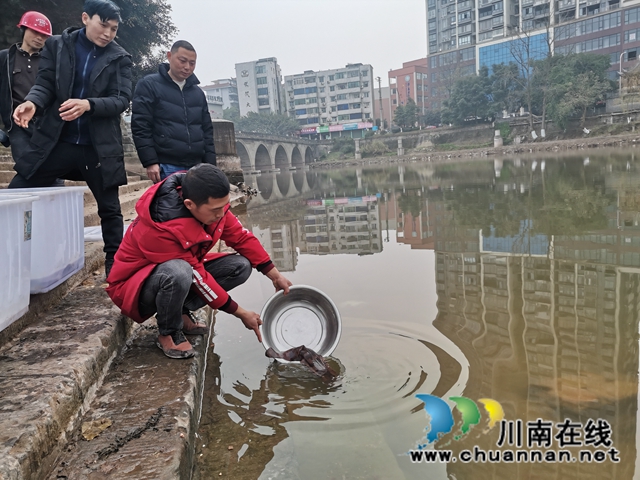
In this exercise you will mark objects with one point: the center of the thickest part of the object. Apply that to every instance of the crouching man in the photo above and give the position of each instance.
(164, 266)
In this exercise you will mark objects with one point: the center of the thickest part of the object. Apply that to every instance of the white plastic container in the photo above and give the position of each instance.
(15, 256)
(57, 250)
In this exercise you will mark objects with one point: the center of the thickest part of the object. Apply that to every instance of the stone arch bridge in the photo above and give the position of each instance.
(278, 186)
(265, 153)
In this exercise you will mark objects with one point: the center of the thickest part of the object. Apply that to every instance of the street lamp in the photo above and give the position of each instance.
(620, 78)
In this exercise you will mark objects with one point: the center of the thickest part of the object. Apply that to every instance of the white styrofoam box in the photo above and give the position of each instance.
(15, 256)
(57, 250)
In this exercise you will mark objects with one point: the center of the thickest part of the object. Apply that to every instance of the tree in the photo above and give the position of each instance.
(146, 33)
(268, 123)
(410, 113)
(431, 117)
(232, 114)
(406, 115)
(470, 97)
(398, 116)
(578, 81)
(146, 26)
(506, 90)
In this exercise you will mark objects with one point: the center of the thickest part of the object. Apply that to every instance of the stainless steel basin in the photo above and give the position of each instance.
(305, 316)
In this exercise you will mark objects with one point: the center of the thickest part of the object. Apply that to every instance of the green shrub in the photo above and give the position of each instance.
(505, 130)
(375, 148)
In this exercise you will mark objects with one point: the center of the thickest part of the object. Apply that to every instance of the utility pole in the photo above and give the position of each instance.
(380, 97)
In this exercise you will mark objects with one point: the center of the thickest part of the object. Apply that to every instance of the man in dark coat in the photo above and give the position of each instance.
(170, 121)
(18, 70)
(82, 87)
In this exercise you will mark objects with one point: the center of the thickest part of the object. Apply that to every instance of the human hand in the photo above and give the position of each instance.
(153, 172)
(280, 282)
(24, 113)
(73, 108)
(251, 320)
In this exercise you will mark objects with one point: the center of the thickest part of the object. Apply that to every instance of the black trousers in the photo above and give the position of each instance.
(167, 291)
(67, 159)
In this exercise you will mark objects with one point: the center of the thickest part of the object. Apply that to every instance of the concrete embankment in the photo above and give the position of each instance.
(560, 147)
(85, 392)
(80, 364)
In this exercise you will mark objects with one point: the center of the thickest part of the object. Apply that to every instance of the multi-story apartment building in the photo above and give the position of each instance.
(259, 86)
(327, 102)
(410, 81)
(224, 90)
(464, 35)
(214, 103)
(381, 105)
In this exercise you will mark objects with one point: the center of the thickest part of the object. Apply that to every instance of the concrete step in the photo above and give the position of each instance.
(79, 183)
(135, 186)
(127, 204)
(152, 403)
(7, 175)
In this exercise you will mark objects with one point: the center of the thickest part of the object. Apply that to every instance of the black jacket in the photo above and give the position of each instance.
(170, 125)
(109, 96)
(7, 58)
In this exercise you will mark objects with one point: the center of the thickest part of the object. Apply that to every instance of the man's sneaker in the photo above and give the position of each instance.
(191, 325)
(175, 345)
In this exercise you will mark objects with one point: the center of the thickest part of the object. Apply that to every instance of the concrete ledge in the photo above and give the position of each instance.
(49, 372)
(39, 304)
(153, 404)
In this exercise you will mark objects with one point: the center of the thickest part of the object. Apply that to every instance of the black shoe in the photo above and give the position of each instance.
(108, 263)
(4, 139)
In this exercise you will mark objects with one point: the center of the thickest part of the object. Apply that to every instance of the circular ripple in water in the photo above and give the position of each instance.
(382, 366)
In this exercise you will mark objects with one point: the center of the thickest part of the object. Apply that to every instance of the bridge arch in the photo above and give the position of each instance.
(265, 186)
(281, 158)
(299, 180)
(284, 181)
(263, 159)
(245, 159)
(308, 156)
(296, 157)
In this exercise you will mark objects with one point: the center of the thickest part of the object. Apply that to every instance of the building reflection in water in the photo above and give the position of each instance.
(538, 282)
(549, 324)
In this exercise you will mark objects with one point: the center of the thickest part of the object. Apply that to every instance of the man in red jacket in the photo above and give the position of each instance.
(164, 266)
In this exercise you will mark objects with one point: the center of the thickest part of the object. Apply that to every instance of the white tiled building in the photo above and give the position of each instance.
(332, 100)
(259, 86)
(222, 94)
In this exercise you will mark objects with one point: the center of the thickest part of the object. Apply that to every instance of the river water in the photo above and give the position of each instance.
(515, 280)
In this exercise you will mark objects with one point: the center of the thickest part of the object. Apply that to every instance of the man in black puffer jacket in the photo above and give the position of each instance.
(170, 121)
(82, 87)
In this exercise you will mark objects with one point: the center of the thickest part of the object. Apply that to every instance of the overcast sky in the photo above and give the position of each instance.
(301, 34)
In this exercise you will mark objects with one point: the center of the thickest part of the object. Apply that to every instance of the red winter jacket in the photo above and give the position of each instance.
(165, 230)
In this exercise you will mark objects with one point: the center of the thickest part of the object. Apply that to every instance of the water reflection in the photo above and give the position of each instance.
(536, 266)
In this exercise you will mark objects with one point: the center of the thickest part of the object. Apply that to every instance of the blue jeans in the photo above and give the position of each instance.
(167, 169)
(167, 291)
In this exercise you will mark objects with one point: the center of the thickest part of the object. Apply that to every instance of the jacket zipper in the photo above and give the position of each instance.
(10, 90)
(186, 117)
(84, 74)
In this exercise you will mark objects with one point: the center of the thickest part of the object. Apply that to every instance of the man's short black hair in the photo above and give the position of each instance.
(204, 181)
(105, 9)
(182, 44)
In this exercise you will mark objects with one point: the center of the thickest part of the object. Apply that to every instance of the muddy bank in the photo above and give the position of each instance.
(629, 140)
